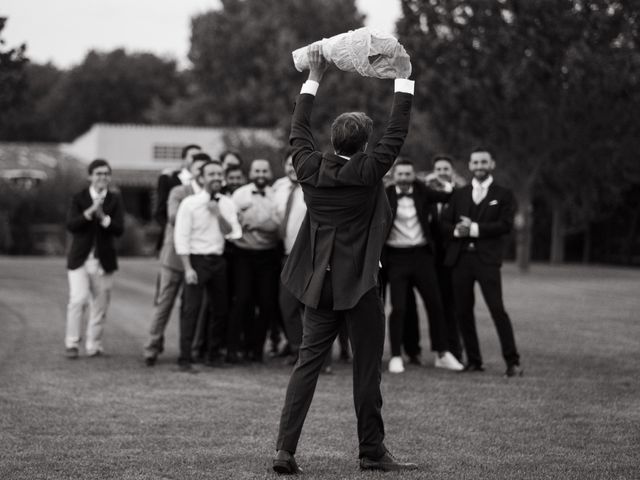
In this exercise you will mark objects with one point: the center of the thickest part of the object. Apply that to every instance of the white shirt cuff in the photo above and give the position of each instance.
(473, 230)
(310, 87)
(106, 221)
(404, 85)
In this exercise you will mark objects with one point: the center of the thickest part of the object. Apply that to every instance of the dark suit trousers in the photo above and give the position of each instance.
(468, 270)
(408, 267)
(411, 332)
(256, 280)
(365, 325)
(212, 281)
(452, 331)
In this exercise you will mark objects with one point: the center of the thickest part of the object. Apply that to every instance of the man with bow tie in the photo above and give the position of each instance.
(256, 265)
(95, 218)
(203, 222)
(409, 263)
(477, 221)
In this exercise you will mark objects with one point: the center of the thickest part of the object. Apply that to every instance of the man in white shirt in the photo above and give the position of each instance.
(203, 222)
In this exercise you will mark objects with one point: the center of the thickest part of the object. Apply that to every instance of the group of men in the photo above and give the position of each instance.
(309, 250)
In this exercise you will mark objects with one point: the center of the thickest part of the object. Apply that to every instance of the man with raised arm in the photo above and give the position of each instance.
(333, 265)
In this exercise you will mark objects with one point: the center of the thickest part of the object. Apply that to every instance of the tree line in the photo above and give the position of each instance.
(550, 85)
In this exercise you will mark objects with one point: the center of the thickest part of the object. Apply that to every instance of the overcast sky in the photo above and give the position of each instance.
(62, 31)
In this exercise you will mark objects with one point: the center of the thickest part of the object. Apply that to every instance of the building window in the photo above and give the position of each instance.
(167, 152)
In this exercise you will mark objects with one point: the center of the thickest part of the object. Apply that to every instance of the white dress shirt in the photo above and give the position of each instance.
(406, 231)
(95, 195)
(197, 230)
(261, 210)
(296, 214)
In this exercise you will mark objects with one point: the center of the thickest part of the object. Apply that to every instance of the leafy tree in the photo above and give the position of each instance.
(12, 77)
(244, 72)
(116, 87)
(514, 74)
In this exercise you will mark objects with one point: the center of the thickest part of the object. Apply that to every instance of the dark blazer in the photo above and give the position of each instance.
(166, 182)
(494, 216)
(424, 199)
(348, 215)
(87, 233)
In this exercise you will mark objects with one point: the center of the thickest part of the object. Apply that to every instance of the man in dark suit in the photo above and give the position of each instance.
(169, 179)
(95, 218)
(443, 173)
(409, 255)
(476, 221)
(334, 263)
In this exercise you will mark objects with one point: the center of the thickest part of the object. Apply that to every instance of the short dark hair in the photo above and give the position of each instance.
(481, 148)
(350, 132)
(235, 153)
(200, 156)
(403, 161)
(185, 150)
(441, 157)
(97, 163)
(233, 168)
(207, 163)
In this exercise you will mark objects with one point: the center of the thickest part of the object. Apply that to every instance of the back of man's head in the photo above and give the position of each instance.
(350, 133)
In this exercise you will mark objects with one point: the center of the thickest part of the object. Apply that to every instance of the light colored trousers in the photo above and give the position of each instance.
(169, 286)
(88, 284)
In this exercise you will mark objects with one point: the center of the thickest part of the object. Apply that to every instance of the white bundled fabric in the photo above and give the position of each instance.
(367, 52)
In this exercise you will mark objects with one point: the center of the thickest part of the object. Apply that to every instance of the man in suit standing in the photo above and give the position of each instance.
(409, 257)
(171, 269)
(443, 173)
(476, 222)
(333, 267)
(169, 179)
(95, 218)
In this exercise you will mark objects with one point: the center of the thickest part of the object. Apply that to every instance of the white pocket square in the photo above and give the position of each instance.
(493, 202)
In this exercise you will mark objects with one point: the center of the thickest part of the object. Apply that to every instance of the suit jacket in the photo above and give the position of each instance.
(166, 182)
(89, 233)
(348, 215)
(168, 256)
(494, 216)
(424, 198)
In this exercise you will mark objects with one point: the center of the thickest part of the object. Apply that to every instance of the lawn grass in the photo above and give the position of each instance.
(574, 415)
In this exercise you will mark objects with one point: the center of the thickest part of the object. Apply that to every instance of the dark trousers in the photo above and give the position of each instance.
(452, 332)
(408, 267)
(256, 280)
(292, 311)
(411, 331)
(212, 282)
(468, 270)
(365, 325)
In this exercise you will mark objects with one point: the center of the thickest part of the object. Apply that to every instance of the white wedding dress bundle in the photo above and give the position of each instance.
(367, 52)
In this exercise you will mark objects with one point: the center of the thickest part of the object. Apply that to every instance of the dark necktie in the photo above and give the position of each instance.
(408, 195)
(287, 209)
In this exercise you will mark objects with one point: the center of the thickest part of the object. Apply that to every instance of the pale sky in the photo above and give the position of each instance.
(62, 31)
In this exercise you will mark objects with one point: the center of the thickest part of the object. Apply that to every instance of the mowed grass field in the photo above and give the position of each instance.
(574, 415)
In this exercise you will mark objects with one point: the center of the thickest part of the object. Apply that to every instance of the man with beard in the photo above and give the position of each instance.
(203, 221)
(410, 263)
(476, 222)
(171, 269)
(234, 178)
(256, 265)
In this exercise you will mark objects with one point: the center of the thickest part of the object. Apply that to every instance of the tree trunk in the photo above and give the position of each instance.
(557, 236)
(523, 225)
(586, 245)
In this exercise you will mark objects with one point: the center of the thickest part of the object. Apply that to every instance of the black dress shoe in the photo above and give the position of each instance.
(514, 371)
(150, 361)
(386, 463)
(473, 367)
(415, 360)
(285, 464)
(71, 353)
